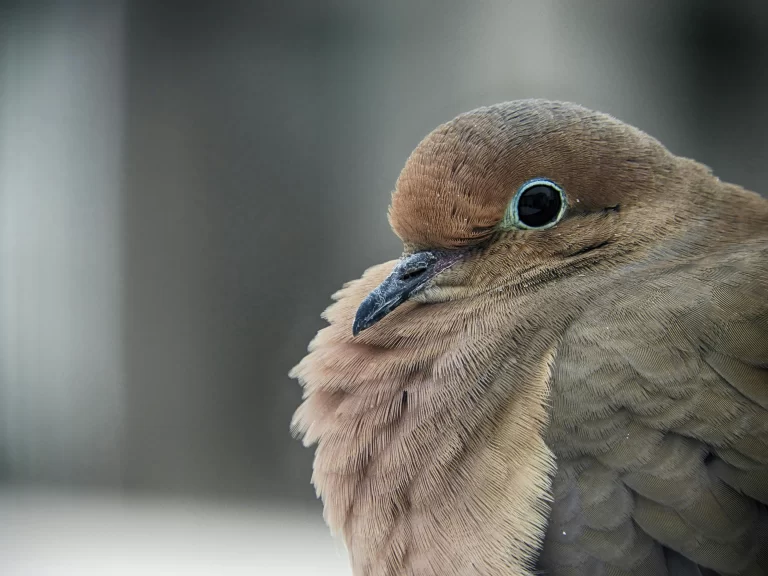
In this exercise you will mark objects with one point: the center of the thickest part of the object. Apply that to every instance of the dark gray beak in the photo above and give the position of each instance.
(409, 277)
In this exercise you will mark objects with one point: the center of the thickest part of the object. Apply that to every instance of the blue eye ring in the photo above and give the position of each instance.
(511, 217)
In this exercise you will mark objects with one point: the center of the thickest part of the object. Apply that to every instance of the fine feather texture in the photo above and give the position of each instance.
(587, 399)
(659, 422)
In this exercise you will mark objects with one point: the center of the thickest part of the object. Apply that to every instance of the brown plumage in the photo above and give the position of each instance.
(586, 398)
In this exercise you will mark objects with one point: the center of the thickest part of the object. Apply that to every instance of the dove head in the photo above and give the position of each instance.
(512, 194)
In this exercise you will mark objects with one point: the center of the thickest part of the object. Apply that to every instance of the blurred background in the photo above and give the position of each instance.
(184, 184)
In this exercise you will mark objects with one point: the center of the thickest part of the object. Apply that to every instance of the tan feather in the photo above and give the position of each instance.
(590, 398)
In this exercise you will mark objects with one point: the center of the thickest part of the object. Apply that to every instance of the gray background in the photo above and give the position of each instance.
(183, 185)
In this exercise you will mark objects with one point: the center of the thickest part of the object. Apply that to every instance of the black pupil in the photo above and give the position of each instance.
(538, 206)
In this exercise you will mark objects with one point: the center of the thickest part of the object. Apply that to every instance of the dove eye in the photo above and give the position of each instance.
(538, 204)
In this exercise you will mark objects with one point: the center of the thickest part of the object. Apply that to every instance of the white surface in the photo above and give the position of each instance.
(61, 534)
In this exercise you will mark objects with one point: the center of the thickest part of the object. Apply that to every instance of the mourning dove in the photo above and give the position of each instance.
(565, 373)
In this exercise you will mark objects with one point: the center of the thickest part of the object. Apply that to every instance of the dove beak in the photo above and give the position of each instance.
(409, 277)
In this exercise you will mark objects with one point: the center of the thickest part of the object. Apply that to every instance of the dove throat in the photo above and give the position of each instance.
(431, 457)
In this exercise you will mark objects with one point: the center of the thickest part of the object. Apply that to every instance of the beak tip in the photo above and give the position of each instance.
(367, 314)
(359, 324)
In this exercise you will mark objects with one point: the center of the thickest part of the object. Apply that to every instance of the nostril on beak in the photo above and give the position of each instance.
(413, 271)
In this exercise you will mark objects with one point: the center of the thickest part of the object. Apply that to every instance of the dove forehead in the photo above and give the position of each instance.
(457, 183)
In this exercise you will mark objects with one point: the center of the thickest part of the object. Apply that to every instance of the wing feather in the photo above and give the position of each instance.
(660, 425)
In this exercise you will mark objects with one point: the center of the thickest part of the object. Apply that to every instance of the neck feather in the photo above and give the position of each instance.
(430, 456)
